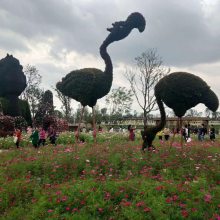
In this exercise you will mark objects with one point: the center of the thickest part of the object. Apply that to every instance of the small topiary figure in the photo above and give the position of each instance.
(89, 84)
(12, 83)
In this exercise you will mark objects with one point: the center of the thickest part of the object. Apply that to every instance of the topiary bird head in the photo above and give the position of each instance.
(122, 29)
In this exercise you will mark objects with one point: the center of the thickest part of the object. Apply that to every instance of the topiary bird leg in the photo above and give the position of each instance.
(94, 125)
(181, 133)
(78, 129)
(175, 131)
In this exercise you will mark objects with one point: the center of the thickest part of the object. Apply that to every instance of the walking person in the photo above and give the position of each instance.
(131, 133)
(185, 133)
(212, 133)
(35, 138)
(166, 132)
(17, 137)
(42, 135)
(52, 135)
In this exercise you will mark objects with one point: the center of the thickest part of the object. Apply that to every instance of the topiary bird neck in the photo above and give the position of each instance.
(149, 134)
(162, 122)
(105, 56)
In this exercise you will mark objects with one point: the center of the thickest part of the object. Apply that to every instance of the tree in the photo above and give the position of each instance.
(46, 107)
(208, 112)
(66, 104)
(193, 113)
(33, 93)
(119, 101)
(149, 70)
(215, 115)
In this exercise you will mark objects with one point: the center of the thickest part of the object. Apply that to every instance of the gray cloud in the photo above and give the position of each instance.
(186, 33)
(179, 29)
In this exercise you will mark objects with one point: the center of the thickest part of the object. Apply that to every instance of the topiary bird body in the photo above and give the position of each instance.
(182, 91)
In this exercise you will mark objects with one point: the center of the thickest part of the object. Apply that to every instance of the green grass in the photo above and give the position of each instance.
(110, 180)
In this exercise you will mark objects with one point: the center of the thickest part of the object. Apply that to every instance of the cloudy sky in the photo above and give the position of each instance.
(58, 36)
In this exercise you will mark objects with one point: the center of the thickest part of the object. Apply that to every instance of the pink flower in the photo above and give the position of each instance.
(169, 200)
(75, 210)
(147, 209)
(50, 210)
(64, 198)
(100, 210)
(184, 213)
(158, 188)
(207, 198)
(140, 204)
(126, 203)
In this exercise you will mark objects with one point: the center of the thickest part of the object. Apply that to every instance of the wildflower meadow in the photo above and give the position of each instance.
(111, 179)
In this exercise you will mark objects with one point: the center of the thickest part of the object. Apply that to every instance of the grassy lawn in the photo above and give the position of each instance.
(110, 180)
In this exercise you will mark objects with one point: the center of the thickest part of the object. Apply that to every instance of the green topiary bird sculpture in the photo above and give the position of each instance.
(179, 91)
(89, 84)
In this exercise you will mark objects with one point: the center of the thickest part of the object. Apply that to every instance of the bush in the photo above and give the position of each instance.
(58, 124)
(20, 122)
(7, 125)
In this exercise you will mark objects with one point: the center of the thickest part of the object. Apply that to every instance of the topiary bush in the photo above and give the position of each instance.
(12, 84)
(7, 125)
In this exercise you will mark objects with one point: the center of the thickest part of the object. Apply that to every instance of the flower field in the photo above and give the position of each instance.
(109, 180)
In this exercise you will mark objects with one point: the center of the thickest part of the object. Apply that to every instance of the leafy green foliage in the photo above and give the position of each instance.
(23, 106)
(119, 100)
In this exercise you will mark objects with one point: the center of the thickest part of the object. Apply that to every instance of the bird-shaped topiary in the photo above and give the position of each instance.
(180, 91)
(89, 84)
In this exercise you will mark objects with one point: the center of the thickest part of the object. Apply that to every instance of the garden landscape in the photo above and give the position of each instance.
(152, 151)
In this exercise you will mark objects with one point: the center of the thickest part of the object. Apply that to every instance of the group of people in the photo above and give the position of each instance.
(38, 136)
(186, 132)
(165, 132)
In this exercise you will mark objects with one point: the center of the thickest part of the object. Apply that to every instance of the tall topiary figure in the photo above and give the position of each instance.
(181, 91)
(12, 83)
(89, 84)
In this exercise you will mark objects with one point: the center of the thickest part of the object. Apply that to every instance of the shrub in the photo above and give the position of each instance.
(7, 125)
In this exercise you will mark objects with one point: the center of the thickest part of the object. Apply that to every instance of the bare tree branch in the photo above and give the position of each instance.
(143, 79)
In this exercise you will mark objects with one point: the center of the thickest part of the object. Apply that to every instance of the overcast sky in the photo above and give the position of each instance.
(58, 36)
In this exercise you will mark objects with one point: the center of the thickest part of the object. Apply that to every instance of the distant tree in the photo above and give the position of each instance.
(193, 113)
(12, 83)
(33, 93)
(149, 70)
(66, 104)
(45, 107)
(58, 114)
(215, 115)
(104, 111)
(208, 112)
(119, 100)
(86, 116)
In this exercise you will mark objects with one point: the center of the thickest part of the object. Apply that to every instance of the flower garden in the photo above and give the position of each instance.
(111, 179)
